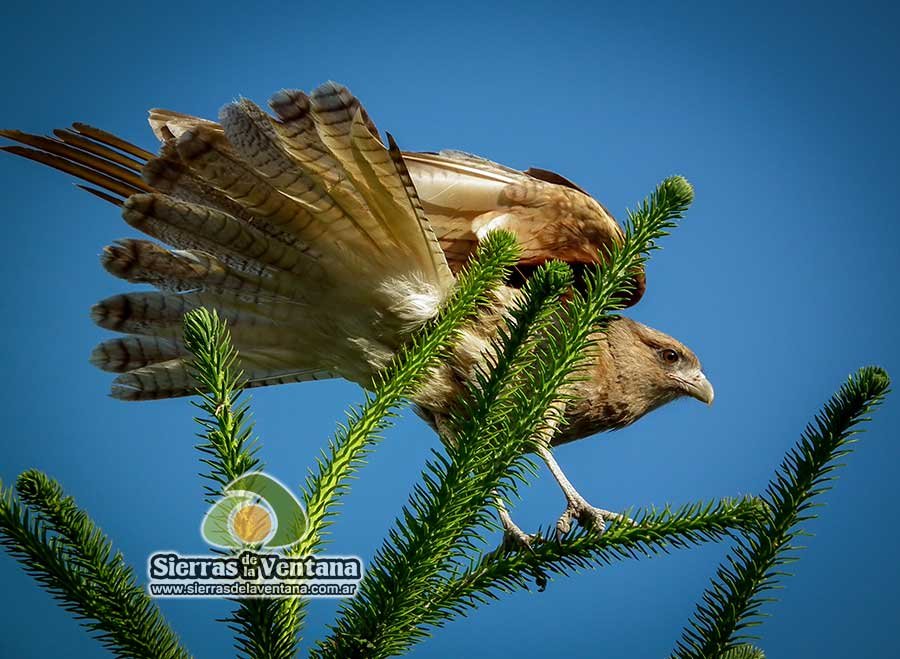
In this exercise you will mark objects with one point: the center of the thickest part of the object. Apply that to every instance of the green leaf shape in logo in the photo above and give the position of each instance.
(250, 502)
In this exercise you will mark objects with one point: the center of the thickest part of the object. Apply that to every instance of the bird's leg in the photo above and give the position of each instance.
(513, 536)
(577, 506)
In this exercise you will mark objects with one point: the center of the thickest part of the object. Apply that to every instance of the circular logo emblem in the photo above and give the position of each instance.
(255, 510)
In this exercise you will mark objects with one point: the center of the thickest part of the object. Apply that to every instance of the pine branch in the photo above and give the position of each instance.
(439, 508)
(655, 532)
(266, 628)
(270, 628)
(744, 652)
(58, 544)
(734, 600)
(494, 430)
(231, 452)
(226, 425)
(513, 351)
(489, 269)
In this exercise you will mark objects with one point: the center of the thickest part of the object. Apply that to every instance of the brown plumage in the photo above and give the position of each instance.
(324, 248)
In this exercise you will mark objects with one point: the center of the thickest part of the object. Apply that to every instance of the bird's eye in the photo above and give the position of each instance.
(669, 356)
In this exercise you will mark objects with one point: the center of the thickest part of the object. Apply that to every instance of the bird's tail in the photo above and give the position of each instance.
(302, 229)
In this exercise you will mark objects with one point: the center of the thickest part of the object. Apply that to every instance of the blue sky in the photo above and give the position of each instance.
(783, 279)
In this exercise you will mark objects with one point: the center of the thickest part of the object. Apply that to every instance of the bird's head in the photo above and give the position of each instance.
(637, 369)
(653, 366)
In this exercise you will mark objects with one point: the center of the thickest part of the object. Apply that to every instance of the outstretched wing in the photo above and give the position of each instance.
(466, 196)
(304, 230)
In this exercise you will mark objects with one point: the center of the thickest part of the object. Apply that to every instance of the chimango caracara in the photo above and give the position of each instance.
(325, 249)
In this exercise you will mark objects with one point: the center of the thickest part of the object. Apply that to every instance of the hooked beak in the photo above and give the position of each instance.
(697, 386)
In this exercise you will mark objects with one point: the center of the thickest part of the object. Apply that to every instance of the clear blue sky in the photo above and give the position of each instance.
(783, 279)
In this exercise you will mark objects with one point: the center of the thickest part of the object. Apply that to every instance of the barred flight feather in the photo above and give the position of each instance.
(320, 244)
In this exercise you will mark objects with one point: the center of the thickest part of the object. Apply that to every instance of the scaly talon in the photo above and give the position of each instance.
(585, 514)
(514, 538)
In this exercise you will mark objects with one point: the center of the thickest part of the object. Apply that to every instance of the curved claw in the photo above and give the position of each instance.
(515, 539)
(585, 514)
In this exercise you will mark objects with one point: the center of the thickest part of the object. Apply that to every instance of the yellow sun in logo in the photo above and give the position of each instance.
(251, 523)
(254, 509)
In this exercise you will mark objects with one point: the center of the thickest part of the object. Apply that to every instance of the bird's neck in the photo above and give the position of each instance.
(613, 395)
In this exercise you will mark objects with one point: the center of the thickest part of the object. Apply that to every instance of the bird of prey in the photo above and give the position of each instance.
(325, 248)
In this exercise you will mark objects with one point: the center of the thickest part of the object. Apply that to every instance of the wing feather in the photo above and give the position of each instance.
(466, 196)
(320, 244)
